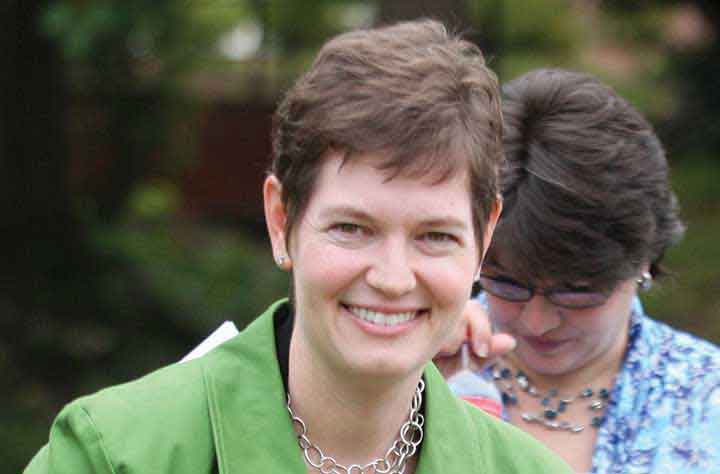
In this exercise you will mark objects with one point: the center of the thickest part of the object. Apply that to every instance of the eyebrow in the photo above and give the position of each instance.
(356, 213)
(348, 211)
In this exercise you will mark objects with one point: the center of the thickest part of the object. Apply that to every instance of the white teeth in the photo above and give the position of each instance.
(382, 319)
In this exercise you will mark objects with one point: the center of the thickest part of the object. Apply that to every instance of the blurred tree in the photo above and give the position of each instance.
(696, 128)
(477, 21)
(453, 13)
(67, 305)
(126, 59)
(42, 235)
(692, 47)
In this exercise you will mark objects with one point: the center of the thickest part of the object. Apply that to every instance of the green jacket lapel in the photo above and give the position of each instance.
(451, 438)
(252, 429)
(246, 398)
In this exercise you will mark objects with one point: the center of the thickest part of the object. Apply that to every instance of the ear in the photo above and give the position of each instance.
(275, 218)
(490, 227)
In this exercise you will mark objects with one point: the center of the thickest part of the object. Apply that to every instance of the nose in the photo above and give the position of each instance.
(539, 316)
(392, 273)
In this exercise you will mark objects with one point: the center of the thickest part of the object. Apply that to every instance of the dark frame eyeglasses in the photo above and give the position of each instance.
(564, 297)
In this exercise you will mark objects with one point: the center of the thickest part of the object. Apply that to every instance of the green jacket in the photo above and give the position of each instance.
(225, 412)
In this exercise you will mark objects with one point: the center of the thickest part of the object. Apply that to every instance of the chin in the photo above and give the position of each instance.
(544, 365)
(385, 365)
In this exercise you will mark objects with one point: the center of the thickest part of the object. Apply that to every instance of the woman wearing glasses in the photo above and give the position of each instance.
(588, 214)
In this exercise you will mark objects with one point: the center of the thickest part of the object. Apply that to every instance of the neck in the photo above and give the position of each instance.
(340, 408)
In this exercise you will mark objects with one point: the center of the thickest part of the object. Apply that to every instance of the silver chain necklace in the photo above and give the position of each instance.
(396, 457)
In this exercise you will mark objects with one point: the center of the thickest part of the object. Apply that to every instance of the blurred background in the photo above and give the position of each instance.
(135, 136)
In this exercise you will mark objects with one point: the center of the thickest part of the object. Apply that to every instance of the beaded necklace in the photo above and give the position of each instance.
(552, 407)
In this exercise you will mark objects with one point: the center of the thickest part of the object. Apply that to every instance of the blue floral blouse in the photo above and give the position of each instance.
(664, 412)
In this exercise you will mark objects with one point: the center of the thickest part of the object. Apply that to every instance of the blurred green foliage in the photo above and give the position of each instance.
(202, 274)
(177, 34)
(690, 297)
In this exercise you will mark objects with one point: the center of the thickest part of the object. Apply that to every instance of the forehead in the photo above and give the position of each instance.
(362, 181)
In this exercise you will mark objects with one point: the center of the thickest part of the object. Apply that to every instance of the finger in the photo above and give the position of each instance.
(480, 330)
(455, 340)
(501, 344)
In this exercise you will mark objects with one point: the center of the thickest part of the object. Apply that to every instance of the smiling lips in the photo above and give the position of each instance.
(390, 319)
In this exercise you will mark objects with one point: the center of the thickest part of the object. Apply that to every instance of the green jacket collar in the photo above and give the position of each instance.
(253, 432)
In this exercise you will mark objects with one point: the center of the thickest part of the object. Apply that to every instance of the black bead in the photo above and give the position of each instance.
(550, 414)
(604, 393)
(509, 399)
(587, 393)
(597, 421)
(506, 373)
(561, 406)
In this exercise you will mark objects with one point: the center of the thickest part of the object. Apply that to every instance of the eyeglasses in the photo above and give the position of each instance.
(565, 297)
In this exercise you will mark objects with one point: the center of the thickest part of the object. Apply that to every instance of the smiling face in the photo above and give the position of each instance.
(558, 341)
(381, 268)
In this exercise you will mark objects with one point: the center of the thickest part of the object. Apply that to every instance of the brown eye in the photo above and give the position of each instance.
(348, 231)
(438, 243)
(347, 228)
(439, 237)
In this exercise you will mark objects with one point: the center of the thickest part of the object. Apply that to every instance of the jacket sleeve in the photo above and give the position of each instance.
(75, 447)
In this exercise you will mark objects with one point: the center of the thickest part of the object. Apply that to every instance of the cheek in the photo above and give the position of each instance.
(598, 327)
(594, 322)
(450, 282)
(326, 268)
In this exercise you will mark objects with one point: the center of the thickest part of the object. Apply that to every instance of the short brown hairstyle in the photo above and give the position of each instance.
(416, 94)
(585, 187)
